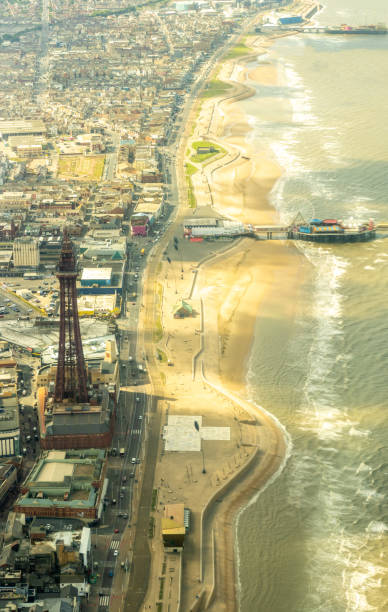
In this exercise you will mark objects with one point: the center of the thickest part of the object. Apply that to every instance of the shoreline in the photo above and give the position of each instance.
(210, 364)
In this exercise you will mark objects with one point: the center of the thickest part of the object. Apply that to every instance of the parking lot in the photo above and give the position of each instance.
(19, 296)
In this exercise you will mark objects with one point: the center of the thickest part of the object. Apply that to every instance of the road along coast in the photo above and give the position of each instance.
(227, 289)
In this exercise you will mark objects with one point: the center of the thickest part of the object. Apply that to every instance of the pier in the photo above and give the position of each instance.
(344, 29)
(318, 230)
(197, 229)
(293, 233)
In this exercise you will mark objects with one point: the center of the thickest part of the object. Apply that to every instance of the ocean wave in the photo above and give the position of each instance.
(377, 527)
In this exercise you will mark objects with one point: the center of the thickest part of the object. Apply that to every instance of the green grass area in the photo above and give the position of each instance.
(201, 157)
(159, 606)
(154, 498)
(161, 588)
(203, 143)
(161, 355)
(190, 170)
(238, 51)
(163, 378)
(158, 330)
(215, 88)
(151, 527)
(16, 37)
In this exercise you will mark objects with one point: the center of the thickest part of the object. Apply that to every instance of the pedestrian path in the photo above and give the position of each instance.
(114, 545)
(104, 601)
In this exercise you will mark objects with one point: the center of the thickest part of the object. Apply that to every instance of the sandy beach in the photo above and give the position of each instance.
(228, 286)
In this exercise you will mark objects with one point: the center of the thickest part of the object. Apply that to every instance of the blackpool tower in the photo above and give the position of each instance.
(71, 376)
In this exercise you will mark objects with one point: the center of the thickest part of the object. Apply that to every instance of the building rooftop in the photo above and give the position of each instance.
(63, 479)
(22, 126)
(96, 274)
(55, 471)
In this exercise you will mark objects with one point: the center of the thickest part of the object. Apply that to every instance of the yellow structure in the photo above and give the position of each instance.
(173, 526)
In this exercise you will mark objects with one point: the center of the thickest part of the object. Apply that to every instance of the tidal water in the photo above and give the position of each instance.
(316, 539)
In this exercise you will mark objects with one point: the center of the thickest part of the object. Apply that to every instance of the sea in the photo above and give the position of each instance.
(316, 539)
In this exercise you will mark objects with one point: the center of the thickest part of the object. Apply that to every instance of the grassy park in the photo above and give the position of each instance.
(201, 157)
(215, 88)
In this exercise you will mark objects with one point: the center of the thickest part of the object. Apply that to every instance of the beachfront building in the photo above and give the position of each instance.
(173, 527)
(80, 424)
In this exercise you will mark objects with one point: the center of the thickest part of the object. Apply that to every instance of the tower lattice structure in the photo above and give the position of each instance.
(71, 378)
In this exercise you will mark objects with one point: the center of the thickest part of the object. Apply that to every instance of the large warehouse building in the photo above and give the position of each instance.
(22, 127)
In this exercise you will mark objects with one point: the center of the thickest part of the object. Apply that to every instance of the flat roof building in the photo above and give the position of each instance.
(26, 252)
(173, 526)
(102, 277)
(66, 483)
(106, 280)
(22, 127)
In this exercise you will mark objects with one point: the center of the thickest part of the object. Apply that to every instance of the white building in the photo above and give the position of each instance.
(26, 253)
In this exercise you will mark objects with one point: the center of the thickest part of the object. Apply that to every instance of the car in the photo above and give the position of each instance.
(115, 553)
(133, 460)
(116, 530)
(132, 475)
(140, 417)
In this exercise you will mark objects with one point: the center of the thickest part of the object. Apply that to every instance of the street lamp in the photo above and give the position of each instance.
(196, 425)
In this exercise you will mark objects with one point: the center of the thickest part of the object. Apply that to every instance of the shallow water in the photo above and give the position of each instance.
(316, 539)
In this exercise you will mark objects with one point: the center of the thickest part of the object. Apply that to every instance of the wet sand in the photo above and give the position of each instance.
(257, 279)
